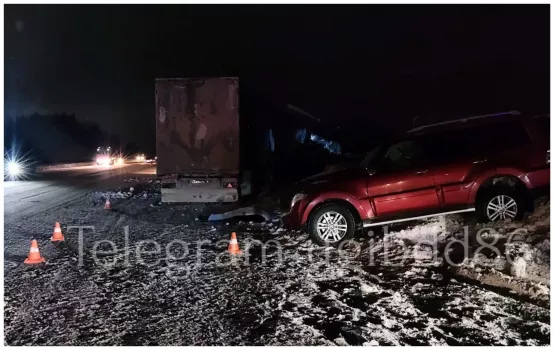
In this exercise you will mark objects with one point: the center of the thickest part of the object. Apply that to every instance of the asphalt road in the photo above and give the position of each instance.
(55, 187)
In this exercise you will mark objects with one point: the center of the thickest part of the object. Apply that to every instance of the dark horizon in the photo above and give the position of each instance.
(373, 66)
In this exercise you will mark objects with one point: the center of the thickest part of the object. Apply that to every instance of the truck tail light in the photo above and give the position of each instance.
(229, 183)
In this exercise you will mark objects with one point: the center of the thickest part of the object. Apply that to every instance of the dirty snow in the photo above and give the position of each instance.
(301, 295)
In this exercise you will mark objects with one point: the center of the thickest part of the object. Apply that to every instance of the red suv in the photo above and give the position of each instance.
(489, 164)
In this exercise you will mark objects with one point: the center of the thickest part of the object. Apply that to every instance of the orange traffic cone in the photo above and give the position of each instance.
(234, 245)
(57, 236)
(108, 205)
(34, 255)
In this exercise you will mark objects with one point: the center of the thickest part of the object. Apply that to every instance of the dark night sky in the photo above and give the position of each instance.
(357, 65)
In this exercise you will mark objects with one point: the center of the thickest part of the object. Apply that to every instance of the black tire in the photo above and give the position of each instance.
(332, 207)
(484, 200)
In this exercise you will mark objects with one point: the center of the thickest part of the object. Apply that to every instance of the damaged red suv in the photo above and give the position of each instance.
(490, 164)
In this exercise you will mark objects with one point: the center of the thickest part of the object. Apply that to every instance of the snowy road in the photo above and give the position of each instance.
(170, 282)
(52, 188)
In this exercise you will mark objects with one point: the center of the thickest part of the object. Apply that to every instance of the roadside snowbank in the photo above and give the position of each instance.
(51, 167)
(513, 255)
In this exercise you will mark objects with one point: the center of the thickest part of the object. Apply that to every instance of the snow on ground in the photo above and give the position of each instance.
(62, 166)
(513, 255)
(386, 289)
(520, 257)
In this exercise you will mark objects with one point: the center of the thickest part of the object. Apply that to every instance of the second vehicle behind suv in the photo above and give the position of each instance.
(488, 164)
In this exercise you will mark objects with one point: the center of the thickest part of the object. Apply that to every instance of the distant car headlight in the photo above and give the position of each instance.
(17, 167)
(103, 160)
(14, 169)
(297, 198)
(120, 161)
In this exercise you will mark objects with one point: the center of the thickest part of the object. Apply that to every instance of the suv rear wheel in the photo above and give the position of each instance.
(331, 224)
(500, 204)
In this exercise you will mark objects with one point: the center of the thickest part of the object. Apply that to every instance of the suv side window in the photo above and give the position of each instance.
(475, 141)
(402, 155)
(543, 124)
(507, 135)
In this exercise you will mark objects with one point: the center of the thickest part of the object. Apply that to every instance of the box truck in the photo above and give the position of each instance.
(197, 139)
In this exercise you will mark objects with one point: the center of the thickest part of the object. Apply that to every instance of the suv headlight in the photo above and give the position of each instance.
(297, 197)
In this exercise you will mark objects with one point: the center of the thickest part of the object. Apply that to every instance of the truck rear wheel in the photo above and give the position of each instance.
(331, 224)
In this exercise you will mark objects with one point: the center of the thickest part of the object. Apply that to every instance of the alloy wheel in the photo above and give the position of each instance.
(501, 207)
(332, 226)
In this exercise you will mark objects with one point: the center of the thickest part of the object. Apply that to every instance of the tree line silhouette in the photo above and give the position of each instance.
(51, 138)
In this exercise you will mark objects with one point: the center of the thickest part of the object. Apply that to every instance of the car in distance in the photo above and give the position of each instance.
(104, 156)
(490, 164)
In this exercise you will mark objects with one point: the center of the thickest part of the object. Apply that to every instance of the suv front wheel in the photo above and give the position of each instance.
(331, 224)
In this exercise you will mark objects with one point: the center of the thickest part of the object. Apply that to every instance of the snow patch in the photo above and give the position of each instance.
(369, 288)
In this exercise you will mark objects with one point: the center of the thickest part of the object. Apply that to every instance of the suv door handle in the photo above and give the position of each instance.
(421, 172)
(480, 161)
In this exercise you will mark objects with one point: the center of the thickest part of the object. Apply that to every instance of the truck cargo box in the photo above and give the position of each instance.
(197, 126)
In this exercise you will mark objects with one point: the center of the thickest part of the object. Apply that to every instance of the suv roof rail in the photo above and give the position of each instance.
(463, 120)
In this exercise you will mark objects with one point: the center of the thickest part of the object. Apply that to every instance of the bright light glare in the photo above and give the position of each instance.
(119, 160)
(14, 169)
(17, 166)
(103, 160)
